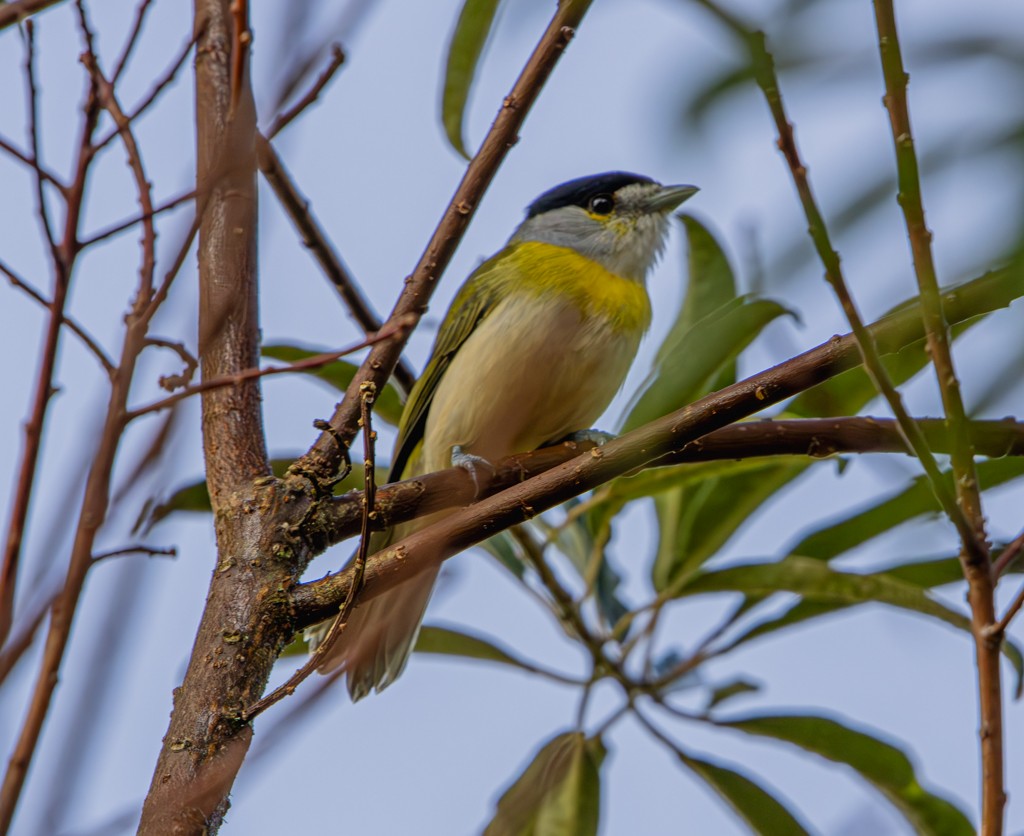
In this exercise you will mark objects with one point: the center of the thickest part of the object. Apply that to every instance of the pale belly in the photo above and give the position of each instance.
(526, 376)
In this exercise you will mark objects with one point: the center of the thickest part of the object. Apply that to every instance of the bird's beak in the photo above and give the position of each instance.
(668, 198)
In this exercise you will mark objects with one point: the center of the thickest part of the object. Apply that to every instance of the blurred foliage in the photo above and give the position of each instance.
(338, 375)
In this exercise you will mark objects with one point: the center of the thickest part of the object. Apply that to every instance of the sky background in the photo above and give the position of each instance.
(432, 754)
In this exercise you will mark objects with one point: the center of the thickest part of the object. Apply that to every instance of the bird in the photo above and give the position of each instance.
(536, 343)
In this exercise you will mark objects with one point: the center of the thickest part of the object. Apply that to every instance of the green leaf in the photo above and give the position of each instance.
(851, 391)
(697, 357)
(916, 500)
(764, 813)
(504, 548)
(338, 375)
(824, 590)
(448, 642)
(471, 31)
(559, 793)
(578, 540)
(883, 765)
(694, 523)
(711, 329)
(729, 690)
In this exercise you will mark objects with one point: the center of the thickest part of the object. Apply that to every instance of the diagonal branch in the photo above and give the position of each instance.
(641, 448)
(323, 458)
(18, 10)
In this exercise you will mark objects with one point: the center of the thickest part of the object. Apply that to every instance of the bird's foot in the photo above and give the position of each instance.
(479, 469)
(598, 437)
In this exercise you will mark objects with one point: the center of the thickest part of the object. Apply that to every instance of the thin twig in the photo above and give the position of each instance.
(763, 66)
(76, 329)
(1009, 554)
(179, 259)
(138, 548)
(33, 133)
(307, 363)
(316, 241)
(154, 91)
(998, 630)
(131, 40)
(176, 381)
(284, 119)
(110, 231)
(108, 100)
(323, 457)
(21, 156)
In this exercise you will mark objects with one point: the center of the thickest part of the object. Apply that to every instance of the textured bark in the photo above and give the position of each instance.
(236, 645)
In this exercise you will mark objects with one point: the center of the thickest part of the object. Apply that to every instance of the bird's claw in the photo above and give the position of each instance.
(598, 437)
(475, 466)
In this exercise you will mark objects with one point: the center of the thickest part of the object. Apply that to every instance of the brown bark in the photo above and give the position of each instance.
(236, 646)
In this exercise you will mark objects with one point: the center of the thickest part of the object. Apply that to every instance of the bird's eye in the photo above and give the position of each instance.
(601, 204)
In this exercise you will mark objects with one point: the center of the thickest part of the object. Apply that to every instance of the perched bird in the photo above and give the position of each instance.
(533, 348)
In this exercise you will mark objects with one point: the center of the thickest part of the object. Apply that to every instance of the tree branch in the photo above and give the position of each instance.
(974, 557)
(204, 746)
(643, 447)
(17, 11)
(323, 458)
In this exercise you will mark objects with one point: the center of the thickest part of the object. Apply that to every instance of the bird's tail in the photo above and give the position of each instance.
(379, 637)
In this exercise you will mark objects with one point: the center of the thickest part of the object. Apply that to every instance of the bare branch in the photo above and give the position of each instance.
(18, 10)
(89, 341)
(131, 40)
(640, 448)
(284, 119)
(21, 156)
(109, 232)
(63, 258)
(974, 556)
(237, 378)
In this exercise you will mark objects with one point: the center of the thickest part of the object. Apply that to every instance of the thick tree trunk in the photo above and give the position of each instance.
(233, 653)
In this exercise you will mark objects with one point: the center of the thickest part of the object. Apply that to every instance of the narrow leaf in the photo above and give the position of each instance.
(883, 765)
(914, 501)
(729, 690)
(338, 375)
(471, 30)
(764, 813)
(819, 584)
(448, 642)
(696, 357)
(558, 794)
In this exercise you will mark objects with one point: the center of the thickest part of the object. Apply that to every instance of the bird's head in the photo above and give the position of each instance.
(617, 219)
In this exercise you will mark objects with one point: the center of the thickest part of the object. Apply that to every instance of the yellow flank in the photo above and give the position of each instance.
(546, 269)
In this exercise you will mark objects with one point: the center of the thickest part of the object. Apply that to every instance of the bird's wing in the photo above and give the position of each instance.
(472, 304)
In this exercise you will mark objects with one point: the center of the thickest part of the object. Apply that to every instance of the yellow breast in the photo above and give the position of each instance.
(546, 268)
